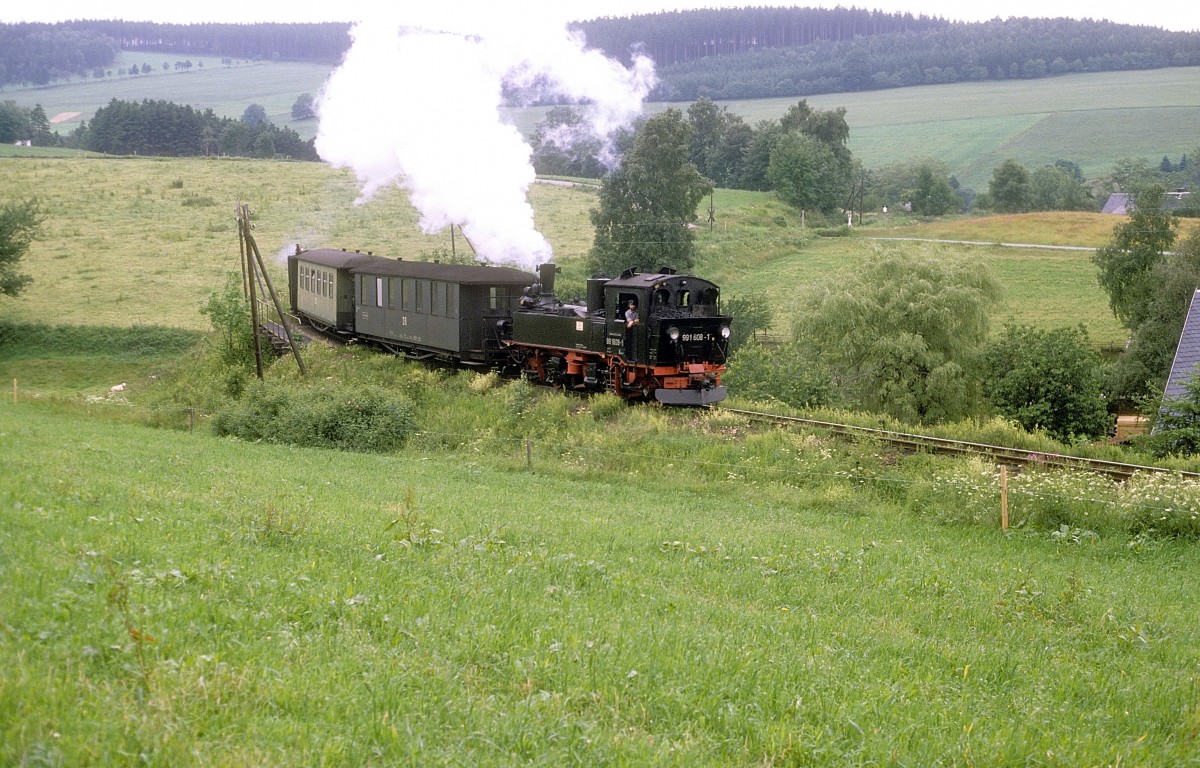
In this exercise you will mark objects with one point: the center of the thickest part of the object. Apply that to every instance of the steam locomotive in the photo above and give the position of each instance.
(504, 319)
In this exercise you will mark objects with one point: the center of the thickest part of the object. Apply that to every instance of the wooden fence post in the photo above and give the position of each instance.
(528, 453)
(1003, 497)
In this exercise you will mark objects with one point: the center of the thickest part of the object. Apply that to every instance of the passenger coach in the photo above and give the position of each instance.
(419, 309)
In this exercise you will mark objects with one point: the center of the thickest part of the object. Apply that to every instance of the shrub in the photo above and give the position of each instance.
(324, 416)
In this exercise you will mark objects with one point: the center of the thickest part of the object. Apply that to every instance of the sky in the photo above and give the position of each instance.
(1183, 15)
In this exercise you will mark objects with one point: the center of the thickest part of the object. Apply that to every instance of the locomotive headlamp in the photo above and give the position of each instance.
(673, 333)
(724, 331)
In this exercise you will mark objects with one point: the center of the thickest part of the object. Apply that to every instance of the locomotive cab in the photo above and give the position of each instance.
(680, 320)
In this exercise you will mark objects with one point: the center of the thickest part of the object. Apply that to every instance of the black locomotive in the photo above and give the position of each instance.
(510, 320)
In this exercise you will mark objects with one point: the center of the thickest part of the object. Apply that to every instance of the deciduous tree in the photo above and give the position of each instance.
(649, 201)
(902, 334)
(1048, 380)
(931, 194)
(255, 115)
(1137, 247)
(1146, 362)
(20, 223)
(806, 174)
(1008, 190)
(303, 109)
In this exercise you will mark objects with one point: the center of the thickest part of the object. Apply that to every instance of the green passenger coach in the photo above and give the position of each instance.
(322, 288)
(420, 309)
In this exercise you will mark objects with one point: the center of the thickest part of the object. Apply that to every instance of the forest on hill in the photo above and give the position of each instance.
(734, 53)
(755, 53)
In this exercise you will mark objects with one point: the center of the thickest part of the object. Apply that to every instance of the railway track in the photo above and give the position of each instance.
(1015, 457)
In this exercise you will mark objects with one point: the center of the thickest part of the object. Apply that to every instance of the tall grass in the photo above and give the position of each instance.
(187, 600)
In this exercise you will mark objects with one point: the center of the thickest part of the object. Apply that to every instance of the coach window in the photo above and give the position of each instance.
(437, 304)
(328, 285)
(421, 291)
(451, 300)
(493, 297)
(392, 282)
(379, 291)
(365, 297)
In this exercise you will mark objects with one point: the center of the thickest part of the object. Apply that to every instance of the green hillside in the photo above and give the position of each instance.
(144, 240)
(208, 84)
(1090, 119)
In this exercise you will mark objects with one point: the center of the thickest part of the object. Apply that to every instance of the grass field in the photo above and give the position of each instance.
(227, 90)
(534, 579)
(175, 599)
(143, 241)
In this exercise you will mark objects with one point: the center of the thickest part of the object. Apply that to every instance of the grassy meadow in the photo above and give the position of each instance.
(172, 598)
(143, 241)
(534, 579)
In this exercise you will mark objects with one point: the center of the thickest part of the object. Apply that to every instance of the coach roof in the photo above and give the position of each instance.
(336, 259)
(466, 274)
(363, 263)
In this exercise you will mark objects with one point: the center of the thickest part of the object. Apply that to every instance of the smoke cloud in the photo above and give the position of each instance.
(417, 102)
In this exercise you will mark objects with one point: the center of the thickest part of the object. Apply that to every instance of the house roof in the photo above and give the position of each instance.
(1118, 202)
(1122, 202)
(1187, 352)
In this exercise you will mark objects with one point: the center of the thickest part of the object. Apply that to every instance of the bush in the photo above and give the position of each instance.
(1048, 380)
(782, 373)
(325, 416)
(137, 342)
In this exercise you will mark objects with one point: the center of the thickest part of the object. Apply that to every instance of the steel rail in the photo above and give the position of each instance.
(1002, 454)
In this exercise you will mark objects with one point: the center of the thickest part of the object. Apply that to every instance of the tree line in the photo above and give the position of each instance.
(41, 53)
(803, 157)
(728, 54)
(680, 36)
(163, 128)
(720, 54)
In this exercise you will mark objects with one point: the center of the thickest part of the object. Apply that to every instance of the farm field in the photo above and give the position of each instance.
(1092, 119)
(144, 241)
(176, 599)
(227, 90)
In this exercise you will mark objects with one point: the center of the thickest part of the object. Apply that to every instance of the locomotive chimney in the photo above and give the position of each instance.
(595, 293)
(546, 277)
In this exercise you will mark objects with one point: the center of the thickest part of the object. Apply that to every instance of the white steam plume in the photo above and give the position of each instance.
(416, 102)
